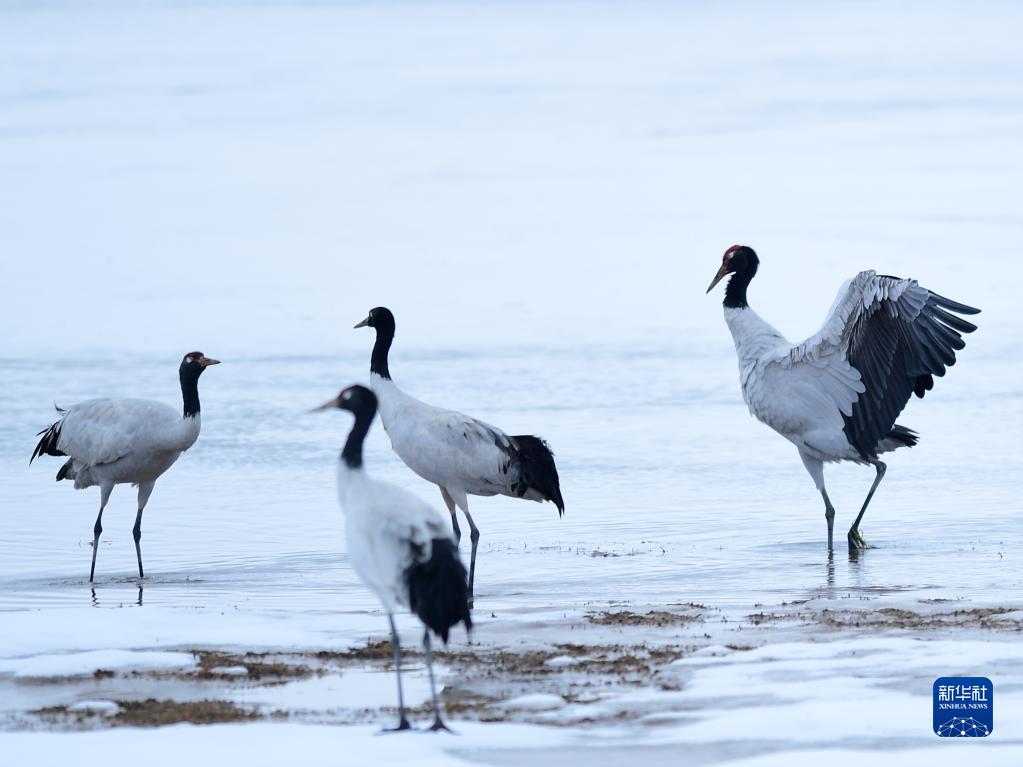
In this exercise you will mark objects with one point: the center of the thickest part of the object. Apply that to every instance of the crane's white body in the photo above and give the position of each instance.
(801, 400)
(109, 442)
(462, 455)
(803, 390)
(387, 529)
(399, 546)
(836, 396)
(116, 441)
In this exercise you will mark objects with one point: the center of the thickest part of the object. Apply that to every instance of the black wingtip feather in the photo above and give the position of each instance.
(955, 306)
(956, 323)
(539, 471)
(899, 353)
(64, 472)
(438, 589)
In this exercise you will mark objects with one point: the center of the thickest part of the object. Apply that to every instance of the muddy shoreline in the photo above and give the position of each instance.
(616, 652)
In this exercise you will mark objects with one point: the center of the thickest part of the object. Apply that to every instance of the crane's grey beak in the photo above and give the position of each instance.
(328, 405)
(207, 361)
(362, 324)
(717, 277)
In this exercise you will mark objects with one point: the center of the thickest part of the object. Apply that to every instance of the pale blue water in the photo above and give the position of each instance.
(661, 468)
(541, 193)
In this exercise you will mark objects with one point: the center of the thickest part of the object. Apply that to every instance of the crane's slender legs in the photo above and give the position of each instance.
(450, 503)
(145, 490)
(474, 533)
(396, 647)
(438, 723)
(474, 537)
(829, 515)
(815, 468)
(104, 496)
(856, 541)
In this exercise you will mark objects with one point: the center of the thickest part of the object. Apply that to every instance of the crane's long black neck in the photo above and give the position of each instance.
(378, 362)
(746, 269)
(352, 452)
(190, 392)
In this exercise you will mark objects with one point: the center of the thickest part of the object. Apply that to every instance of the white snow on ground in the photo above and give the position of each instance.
(535, 702)
(986, 753)
(229, 670)
(263, 745)
(85, 663)
(45, 631)
(104, 707)
(353, 689)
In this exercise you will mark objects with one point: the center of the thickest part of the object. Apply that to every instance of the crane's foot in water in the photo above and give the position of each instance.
(856, 541)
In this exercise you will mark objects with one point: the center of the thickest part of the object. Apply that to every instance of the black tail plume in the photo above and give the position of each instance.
(538, 470)
(48, 444)
(438, 589)
(902, 434)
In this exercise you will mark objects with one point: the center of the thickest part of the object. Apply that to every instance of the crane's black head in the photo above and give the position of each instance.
(741, 262)
(355, 399)
(379, 318)
(193, 364)
(362, 403)
(191, 368)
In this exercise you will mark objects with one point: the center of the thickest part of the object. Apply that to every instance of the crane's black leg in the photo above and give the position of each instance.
(449, 502)
(145, 490)
(396, 647)
(856, 542)
(474, 537)
(104, 496)
(829, 515)
(438, 723)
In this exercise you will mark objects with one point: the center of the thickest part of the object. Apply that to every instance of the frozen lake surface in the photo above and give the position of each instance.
(541, 193)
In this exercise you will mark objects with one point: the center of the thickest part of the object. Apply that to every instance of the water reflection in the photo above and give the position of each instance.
(97, 603)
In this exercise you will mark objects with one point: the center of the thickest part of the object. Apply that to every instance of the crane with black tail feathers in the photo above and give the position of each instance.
(400, 547)
(111, 442)
(837, 394)
(463, 456)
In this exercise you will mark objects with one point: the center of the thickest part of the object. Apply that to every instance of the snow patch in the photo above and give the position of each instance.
(535, 702)
(86, 663)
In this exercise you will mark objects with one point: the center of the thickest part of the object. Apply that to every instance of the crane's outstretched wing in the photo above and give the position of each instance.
(898, 336)
(102, 430)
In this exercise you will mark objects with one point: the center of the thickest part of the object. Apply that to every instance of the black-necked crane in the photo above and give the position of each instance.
(117, 441)
(461, 455)
(836, 395)
(400, 546)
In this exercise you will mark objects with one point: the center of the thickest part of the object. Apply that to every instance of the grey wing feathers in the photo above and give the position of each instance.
(103, 430)
(898, 335)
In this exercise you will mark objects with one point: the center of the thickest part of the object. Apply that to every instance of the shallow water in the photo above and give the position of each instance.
(677, 495)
